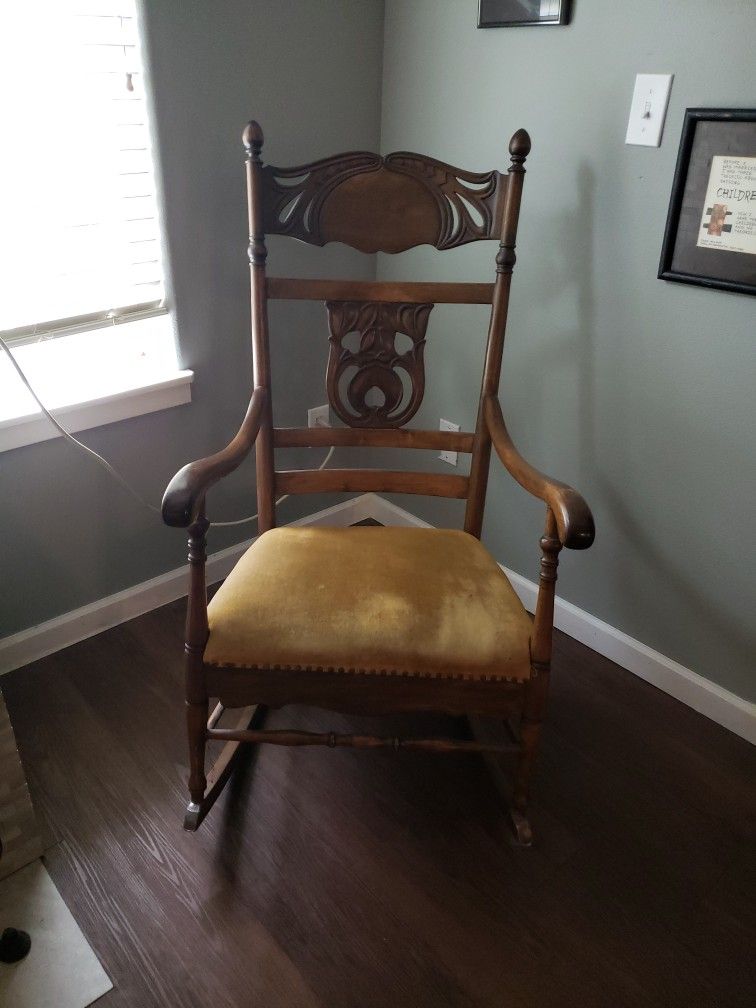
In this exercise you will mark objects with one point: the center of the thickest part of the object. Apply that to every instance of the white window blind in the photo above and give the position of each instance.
(78, 220)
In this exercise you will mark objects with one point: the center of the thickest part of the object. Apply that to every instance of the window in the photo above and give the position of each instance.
(79, 242)
(79, 237)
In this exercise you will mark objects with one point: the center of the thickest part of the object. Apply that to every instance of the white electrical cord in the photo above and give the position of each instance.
(243, 521)
(114, 472)
(69, 436)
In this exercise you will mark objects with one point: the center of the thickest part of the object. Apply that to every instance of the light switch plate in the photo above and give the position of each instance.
(648, 109)
(448, 456)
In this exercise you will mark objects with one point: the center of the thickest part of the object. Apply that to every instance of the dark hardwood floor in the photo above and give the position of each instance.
(347, 879)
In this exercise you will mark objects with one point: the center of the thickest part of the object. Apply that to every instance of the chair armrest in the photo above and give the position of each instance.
(573, 516)
(185, 493)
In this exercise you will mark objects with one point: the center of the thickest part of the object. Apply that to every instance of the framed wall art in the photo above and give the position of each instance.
(508, 13)
(710, 238)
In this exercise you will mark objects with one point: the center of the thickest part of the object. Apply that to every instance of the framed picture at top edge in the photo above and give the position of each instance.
(710, 238)
(506, 13)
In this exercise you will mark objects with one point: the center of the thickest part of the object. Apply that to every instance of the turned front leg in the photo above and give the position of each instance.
(194, 648)
(536, 691)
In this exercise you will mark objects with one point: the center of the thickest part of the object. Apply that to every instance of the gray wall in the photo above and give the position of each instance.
(311, 74)
(638, 392)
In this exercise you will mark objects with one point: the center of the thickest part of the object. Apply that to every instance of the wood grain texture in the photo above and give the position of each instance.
(365, 694)
(224, 765)
(378, 203)
(186, 491)
(358, 437)
(519, 148)
(573, 516)
(334, 879)
(257, 254)
(295, 289)
(369, 481)
(334, 740)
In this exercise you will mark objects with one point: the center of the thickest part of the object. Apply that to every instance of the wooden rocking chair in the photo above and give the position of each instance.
(403, 619)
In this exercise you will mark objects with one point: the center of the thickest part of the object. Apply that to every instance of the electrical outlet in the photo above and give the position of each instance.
(448, 456)
(319, 416)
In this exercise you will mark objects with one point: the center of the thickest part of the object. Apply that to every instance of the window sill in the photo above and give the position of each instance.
(91, 379)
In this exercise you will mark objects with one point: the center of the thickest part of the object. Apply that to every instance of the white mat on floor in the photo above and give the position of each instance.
(61, 970)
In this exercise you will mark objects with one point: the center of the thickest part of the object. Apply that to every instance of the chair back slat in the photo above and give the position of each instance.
(375, 437)
(295, 289)
(301, 481)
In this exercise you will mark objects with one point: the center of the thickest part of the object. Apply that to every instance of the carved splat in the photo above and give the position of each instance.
(382, 204)
(377, 361)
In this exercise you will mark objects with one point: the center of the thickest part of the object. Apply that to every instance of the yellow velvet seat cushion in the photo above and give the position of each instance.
(389, 601)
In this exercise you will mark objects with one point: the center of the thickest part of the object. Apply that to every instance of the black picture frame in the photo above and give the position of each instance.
(516, 13)
(706, 133)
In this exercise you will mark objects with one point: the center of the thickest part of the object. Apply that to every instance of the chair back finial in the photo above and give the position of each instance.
(253, 139)
(519, 148)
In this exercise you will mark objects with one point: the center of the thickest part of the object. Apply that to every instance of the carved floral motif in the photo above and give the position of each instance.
(375, 364)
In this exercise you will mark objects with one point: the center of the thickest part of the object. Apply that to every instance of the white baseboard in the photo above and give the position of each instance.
(721, 706)
(38, 641)
(704, 696)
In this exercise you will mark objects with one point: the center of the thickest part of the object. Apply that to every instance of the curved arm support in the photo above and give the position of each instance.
(185, 493)
(573, 516)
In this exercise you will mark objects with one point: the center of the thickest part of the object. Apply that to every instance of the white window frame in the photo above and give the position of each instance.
(90, 370)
